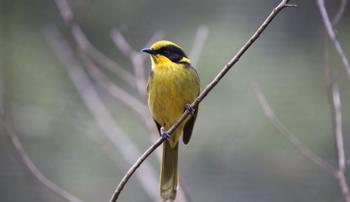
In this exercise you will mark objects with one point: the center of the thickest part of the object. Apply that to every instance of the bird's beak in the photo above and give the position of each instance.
(148, 50)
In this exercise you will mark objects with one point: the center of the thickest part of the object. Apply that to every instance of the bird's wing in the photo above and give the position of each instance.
(158, 126)
(187, 132)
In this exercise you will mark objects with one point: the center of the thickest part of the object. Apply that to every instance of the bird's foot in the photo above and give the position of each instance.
(190, 109)
(164, 134)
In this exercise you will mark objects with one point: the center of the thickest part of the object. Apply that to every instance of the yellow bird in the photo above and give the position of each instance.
(173, 84)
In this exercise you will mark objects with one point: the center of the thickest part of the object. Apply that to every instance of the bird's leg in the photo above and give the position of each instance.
(164, 134)
(190, 109)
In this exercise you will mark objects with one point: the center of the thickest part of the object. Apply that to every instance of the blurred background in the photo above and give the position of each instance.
(235, 153)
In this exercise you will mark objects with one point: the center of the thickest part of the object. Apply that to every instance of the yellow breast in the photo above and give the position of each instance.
(170, 87)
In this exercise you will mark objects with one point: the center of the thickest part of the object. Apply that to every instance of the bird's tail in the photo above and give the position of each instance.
(169, 173)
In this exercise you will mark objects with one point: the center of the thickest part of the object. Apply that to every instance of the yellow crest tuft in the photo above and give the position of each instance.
(160, 44)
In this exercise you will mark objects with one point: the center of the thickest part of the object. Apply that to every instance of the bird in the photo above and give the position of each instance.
(172, 85)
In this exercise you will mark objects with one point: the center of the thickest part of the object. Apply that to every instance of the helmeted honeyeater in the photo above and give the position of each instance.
(172, 85)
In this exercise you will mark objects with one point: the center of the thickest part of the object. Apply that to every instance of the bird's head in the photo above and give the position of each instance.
(166, 52)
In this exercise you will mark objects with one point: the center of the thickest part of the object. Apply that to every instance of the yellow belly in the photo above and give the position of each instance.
(169, 89)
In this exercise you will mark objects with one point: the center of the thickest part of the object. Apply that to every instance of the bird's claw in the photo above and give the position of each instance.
(164, 134)
(190, 109)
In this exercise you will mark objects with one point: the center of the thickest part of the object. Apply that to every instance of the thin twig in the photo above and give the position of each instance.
(32, 167)
(120, 41)
(337, 125)
(331, 33)
(335, 104)
(138, 62)
(341, 11)
(198, 44)
(118, 93)
(83, 42)
(101, 114)
(112, 66)
(136, 58)
(305, 151)
(121, 95)
(203, 94)
(6, 63)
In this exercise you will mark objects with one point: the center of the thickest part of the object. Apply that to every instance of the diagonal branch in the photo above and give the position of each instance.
(331, 33)
(283, 4)
(137, 59)
(305, 151)
(83, 42)
(118, 93)
(32, 167)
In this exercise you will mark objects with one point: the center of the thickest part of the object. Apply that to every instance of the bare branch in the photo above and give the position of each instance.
(136, 58)
(335, 103)
(283, 4)
(101, 114)
(341, 11)
(123, 45)
(140, 76)
(305, 151)
(65, 11)
(32, 167)
(5, 121)
(84, 44)
(121, 95)
(331, 33)
(134, 167)
(138, 62)
(337, 124)
(336, 108)
(198, 44)
(118, 93)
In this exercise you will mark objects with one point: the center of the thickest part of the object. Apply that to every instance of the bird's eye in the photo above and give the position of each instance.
(165, 52)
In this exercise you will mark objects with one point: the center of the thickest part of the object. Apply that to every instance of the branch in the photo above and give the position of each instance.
(337, 125)
(137, 59)
(101, 114)
(306, 152)
(340, 12)
(83, 43)
(118, 93)
(32, 167)
(199, 41)
(283, 4)
(331, 33)
(335, 104)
